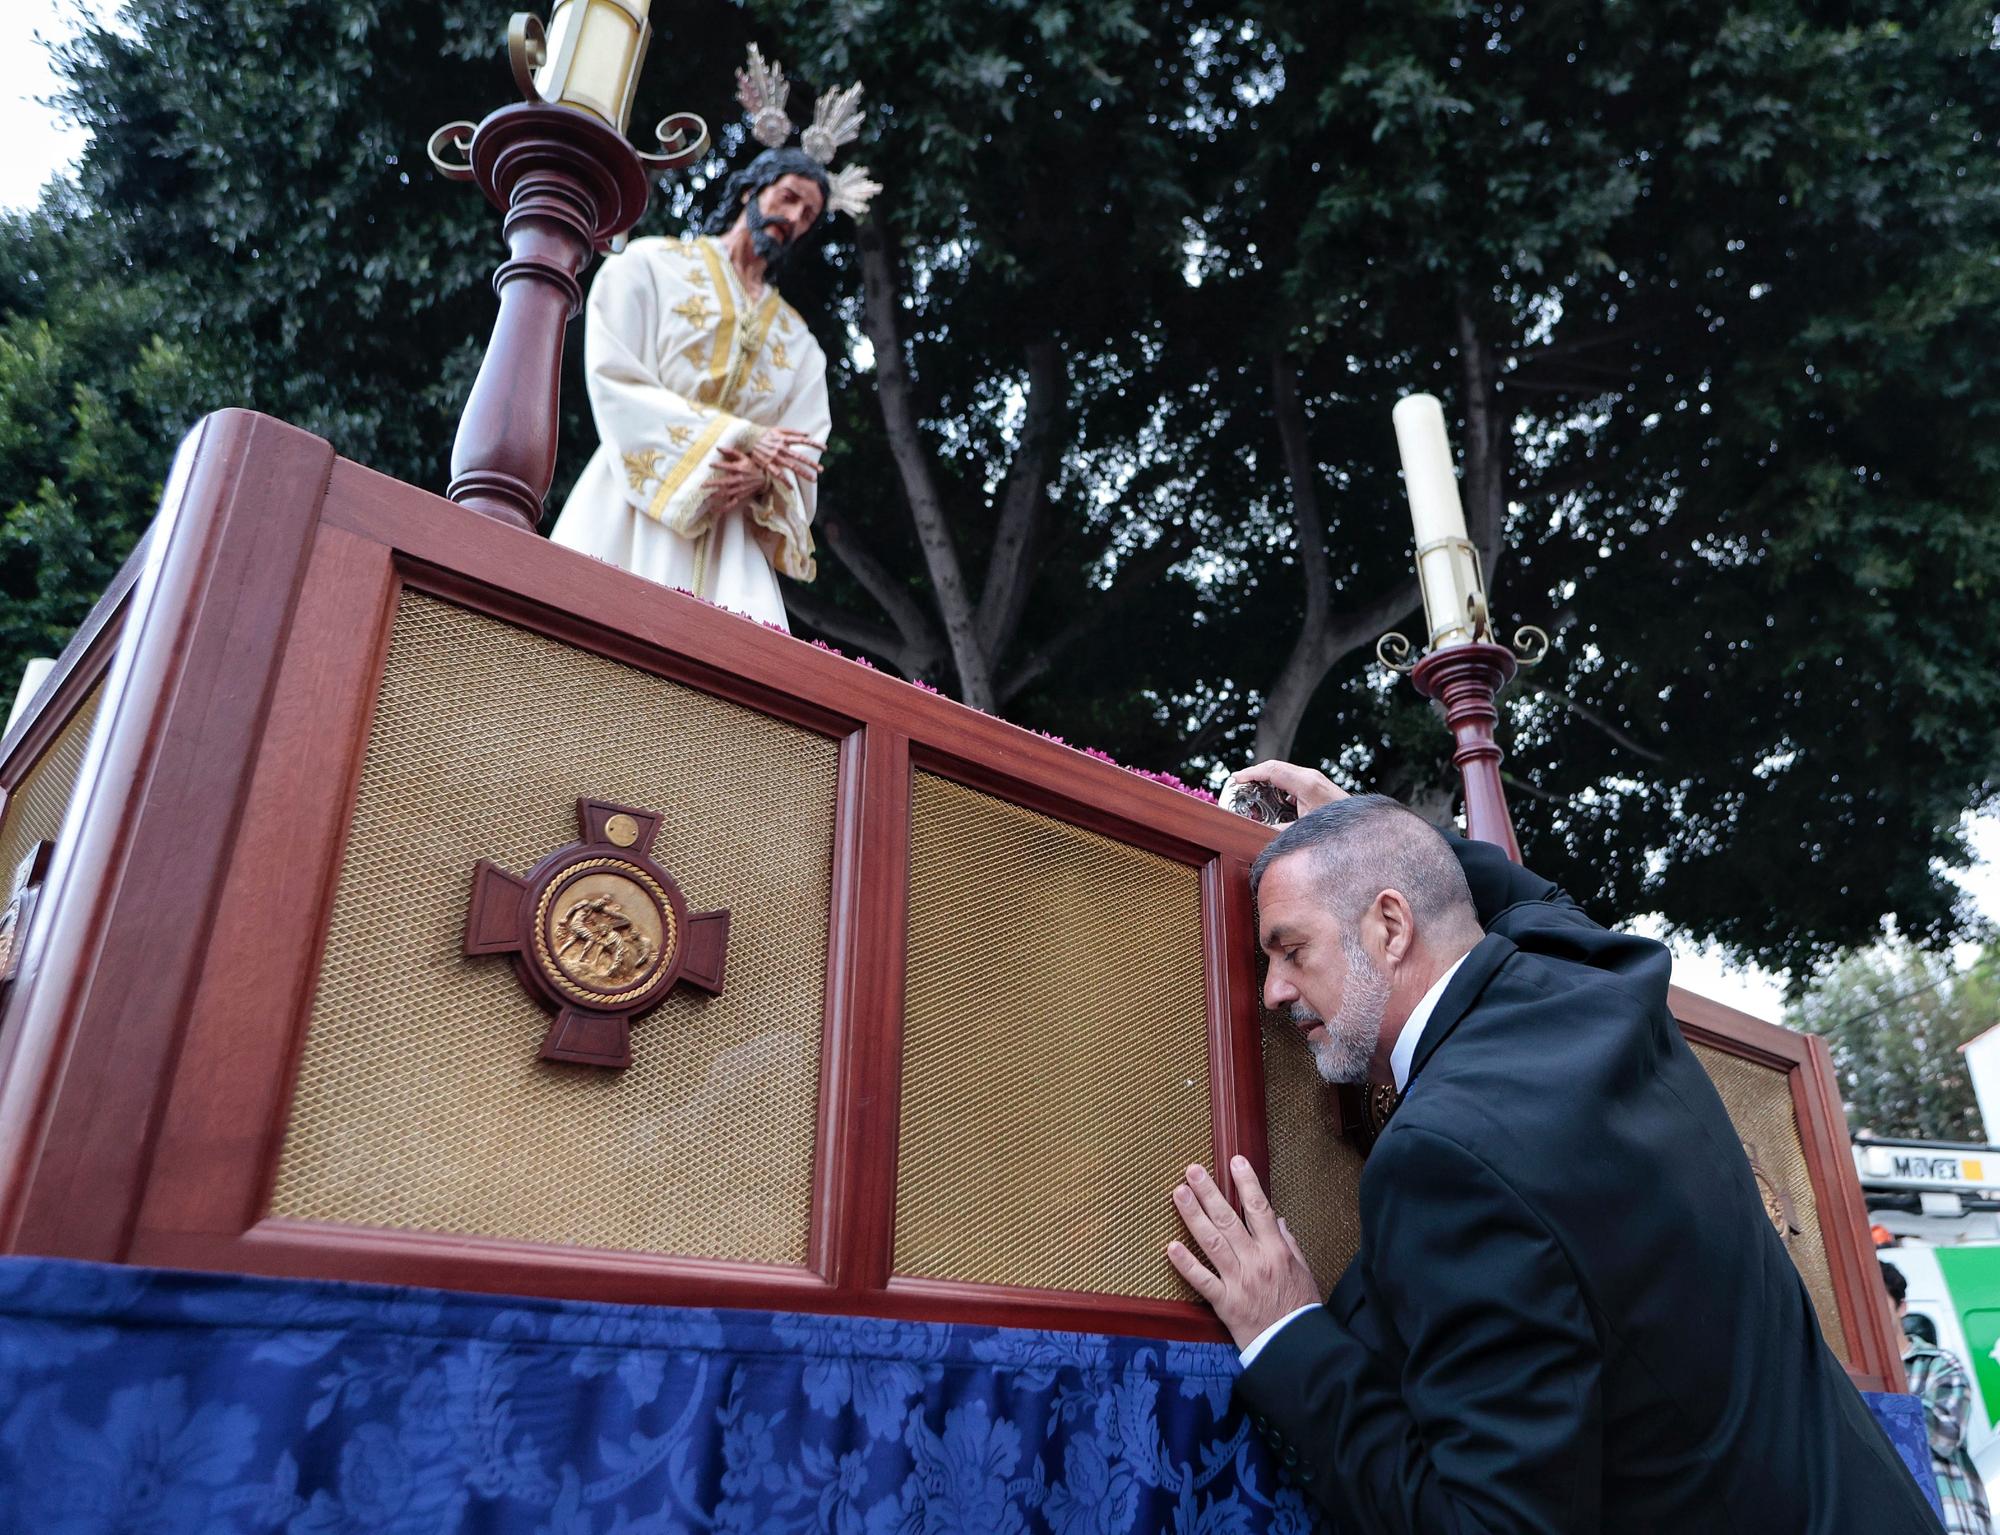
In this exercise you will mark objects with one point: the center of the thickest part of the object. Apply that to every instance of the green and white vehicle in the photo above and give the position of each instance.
(1942, 1204)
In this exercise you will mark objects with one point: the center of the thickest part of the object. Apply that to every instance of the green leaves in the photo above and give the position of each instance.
(1894, 1019)
(1728, 269)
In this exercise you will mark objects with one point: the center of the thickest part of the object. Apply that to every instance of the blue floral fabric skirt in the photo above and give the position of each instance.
(145, 1401)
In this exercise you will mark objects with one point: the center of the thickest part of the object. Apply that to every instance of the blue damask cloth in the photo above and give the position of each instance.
(133, 1400)
(138, 1400)
(1902, 1419)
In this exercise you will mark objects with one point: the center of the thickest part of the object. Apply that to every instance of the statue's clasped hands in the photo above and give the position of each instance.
(1255, 1273)
(784, 450)
(740, 475)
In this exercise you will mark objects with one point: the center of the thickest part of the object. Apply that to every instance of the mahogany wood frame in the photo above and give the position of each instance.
(1874, 1341)
(145, 1117)
(144, 1085)
(82, 666)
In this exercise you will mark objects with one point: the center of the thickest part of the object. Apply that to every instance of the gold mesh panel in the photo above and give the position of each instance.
(1759, 1100)
(420, 1101)
(1055, 1051)
(35, 809)
(1315, 1171)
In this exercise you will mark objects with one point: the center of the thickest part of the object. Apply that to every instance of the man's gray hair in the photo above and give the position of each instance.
(1367, 843)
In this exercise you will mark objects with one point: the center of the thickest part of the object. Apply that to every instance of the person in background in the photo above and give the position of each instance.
(1941, 1381)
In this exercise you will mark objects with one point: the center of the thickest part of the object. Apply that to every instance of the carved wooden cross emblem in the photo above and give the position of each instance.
(598, 931)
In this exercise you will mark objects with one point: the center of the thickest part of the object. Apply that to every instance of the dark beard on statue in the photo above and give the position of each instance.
(773, 251)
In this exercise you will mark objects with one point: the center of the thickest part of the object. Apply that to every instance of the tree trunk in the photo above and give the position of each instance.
(1488, 433)
(1321, 642)
(899, 416)
(1010, 571)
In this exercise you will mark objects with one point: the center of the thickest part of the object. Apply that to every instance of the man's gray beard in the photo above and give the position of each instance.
(1353, 1032)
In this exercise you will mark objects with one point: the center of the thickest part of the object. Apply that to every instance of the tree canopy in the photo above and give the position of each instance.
(1894, 1019)
(1709, 290)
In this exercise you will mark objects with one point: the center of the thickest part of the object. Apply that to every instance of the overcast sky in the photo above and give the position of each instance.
(40, 143)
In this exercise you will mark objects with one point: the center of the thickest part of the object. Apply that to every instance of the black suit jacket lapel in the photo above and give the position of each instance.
(1485, 959)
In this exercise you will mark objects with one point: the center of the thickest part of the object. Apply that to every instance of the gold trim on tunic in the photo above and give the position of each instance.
(720, 357)
(674, 477)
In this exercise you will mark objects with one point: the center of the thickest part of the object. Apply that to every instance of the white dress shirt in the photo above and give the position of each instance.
(1401, 1054)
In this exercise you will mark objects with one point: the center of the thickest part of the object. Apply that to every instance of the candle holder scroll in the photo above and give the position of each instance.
(1464, 679)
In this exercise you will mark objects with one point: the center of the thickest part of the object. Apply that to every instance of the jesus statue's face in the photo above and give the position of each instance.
(783, 214)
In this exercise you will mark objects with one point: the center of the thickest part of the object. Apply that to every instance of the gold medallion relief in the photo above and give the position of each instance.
(605, 933)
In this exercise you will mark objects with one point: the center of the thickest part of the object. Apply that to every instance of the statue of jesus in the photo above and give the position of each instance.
(708, 390)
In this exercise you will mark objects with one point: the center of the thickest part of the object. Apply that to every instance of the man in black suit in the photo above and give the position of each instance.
(1569, 1311)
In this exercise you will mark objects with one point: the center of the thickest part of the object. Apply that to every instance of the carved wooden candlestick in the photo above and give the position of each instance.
(569, 185)
(558, 163)
(1463, 669)
(1466, 679)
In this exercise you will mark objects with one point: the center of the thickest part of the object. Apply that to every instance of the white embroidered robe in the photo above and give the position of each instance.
(681, 367)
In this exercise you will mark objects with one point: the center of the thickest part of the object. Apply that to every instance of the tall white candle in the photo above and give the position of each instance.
(1445, 567)
(1427, 468)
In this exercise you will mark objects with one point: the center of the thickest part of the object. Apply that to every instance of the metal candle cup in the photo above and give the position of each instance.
(590, 59)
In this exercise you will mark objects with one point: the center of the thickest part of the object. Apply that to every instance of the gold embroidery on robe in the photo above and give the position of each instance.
(779, 359)
(760, 381)
(711, 391)
(645, 465)
(681, 435)
(694, 310)
(671, 482)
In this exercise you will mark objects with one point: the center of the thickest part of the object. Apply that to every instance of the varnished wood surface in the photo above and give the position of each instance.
(142, 1116)
(132, 892)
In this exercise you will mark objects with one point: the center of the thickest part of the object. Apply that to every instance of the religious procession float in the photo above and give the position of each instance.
(490, 1040)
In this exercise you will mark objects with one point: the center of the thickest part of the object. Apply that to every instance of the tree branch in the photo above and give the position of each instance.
(1485, 445)
(1135, 577)
(1570, 347)
(1010, 571)
(844, 627)
(899, 417)
(1515, 781)
(1590, 716)
(1587, 388)
(1321, 641)
(919, 634)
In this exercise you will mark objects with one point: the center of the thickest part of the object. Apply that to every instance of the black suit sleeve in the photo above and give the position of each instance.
(1498, 882)
(1538, 916)
(1492, 1420)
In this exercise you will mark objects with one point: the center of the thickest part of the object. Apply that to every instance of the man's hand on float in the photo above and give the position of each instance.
(782, 450)
(1256, 1273)
(1308, 790)
(734, 482)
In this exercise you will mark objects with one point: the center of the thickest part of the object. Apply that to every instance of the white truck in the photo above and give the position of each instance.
(1941, 1204)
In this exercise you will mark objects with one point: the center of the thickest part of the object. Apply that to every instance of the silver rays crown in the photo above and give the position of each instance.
(837, 117)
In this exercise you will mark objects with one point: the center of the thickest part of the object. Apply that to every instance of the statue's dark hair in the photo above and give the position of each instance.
(759, 174)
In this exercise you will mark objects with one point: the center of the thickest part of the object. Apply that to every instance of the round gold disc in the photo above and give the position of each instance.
(622, 830)
(607, 934)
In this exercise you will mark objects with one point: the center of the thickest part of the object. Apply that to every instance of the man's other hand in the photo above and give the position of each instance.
(1257, 1275)
(1308, 790)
